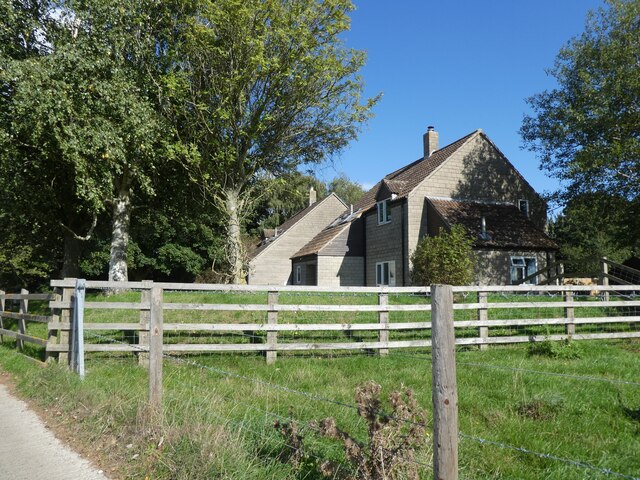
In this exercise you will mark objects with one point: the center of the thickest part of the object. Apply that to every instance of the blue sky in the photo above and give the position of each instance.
(458, 65)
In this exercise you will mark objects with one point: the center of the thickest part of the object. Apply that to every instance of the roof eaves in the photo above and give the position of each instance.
(315, 205)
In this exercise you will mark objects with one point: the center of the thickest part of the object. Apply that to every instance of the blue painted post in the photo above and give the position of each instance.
(77, 359)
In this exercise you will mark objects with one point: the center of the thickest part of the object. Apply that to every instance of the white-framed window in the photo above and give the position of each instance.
(521, 268)
(384, 212)
(386, 273)
(298, 275)
(523, 206)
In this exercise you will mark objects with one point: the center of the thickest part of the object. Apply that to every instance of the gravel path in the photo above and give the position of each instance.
(29, 451)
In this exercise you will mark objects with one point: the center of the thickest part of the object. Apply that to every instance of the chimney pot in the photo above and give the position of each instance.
(430, 141)
(313, 197)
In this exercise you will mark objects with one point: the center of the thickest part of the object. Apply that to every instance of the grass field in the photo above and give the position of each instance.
(218, 425)
(219, 410)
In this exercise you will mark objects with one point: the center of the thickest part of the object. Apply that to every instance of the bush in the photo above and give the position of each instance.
(565, 349)
(445, 258)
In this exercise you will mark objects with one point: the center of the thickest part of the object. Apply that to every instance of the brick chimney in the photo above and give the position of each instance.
(430, 141)
(313, 197)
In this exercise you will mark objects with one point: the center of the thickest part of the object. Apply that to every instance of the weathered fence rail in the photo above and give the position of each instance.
(270, 321)
(473, 301)
(22, 317)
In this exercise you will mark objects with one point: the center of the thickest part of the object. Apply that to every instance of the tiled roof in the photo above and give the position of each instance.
(506, 226)
(287, 224)
(404, 180)
(319, 241)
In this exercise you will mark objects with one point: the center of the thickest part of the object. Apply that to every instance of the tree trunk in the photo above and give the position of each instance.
(120, 231)
(72, 251)
(233, 205)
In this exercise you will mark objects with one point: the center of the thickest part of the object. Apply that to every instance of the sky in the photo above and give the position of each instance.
(458, 65)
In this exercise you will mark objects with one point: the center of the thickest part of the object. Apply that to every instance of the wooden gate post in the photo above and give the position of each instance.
(272, 335)
(65, 318)
(383, 318)
(444, 389)
(143, 333)
(155, 350)
(22, 323)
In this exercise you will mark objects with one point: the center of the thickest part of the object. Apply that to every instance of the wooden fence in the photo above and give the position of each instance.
(21, 317)
(484, 304)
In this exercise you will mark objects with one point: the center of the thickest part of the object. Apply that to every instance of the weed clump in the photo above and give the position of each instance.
(563, 349)
(540, 408)
(393, 438)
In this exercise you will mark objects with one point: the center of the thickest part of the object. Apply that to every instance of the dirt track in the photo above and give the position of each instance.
(29, 451)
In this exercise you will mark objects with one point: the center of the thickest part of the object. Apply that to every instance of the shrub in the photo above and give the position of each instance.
(445, 258)
(565, 349)
(393, 438)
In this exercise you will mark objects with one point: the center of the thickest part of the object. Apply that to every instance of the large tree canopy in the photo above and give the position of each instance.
(587, 130)
(79, 133)
(594, 225)
(268, 85)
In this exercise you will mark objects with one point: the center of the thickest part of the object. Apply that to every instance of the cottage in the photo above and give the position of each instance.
(270, 263)
(468, 182)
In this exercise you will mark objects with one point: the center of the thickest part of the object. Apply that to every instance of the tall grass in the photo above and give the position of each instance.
(217, 425)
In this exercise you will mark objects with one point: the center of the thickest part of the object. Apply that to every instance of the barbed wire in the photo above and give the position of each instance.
(548, 456)
(307, 425)
(554, 374)
(315, 397)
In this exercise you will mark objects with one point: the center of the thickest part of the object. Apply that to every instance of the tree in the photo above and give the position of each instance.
(281, 198)
(80, 132)
(587, 130)
(595, 225)
(445, 258)
(269, 86)
(350, 192)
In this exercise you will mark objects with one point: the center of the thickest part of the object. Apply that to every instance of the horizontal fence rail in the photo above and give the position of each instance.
(15, 317)
(271, 319)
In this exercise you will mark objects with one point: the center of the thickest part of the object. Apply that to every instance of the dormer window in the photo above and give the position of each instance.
(523, 206)
(384, 212)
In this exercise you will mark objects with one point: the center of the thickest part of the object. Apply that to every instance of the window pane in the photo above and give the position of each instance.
(517, 261)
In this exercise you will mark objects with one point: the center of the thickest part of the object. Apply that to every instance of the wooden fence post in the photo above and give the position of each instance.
(604, 276)
(65, 317)
(570, 327)
(155, 349)
(143, 333)
(2, 292)
(22, 323)
(383, 318)
(272, 335)
(483, 316)
(444, 388)
(52, 335)
(560, 274)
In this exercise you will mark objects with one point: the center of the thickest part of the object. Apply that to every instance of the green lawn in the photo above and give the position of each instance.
(220, 426)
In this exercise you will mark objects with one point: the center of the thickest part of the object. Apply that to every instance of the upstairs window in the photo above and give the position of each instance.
(523, 206)
(384, 212)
